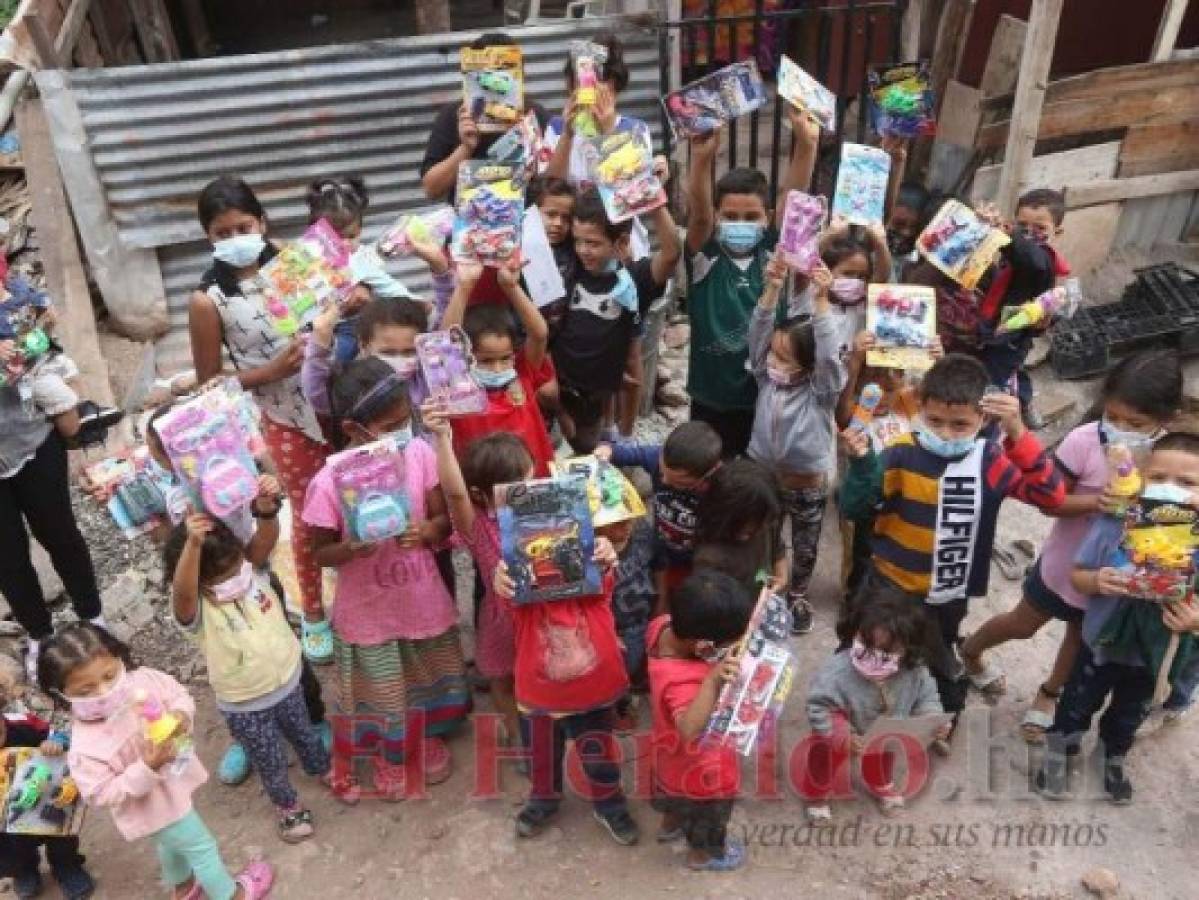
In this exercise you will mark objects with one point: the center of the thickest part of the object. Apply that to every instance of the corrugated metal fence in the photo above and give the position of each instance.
(158, 133)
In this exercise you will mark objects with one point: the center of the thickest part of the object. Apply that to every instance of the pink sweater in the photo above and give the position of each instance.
(107, 765)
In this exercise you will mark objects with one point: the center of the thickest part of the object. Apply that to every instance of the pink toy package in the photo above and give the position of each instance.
(371, 488)
(431, 227)
(799, 239)
(447, 361)
(305, 276)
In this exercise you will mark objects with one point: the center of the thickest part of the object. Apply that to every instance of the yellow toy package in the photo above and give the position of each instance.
(1161, 536)
(493, 86)
(610, 495)
(960, 244)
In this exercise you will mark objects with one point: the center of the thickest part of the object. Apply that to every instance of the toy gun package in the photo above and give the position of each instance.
(546, 538)
(804, 92)
(38, 796)
(493, 86)
(611, 497)
(901, 101)
(960, 244)
(490, 205)
(799, 237)
(753, 701)
(519, 145)
(588, 60)
(20, 312)
(861, 192)
(1158, 548)
(372, 490)
(1056, 303)
(447, 363)
(429, 227)
(305, 276)
(903, 320)
(622, 167)
(704, 105)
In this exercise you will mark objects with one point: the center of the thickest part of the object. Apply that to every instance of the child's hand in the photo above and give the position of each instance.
(155, 756)
(730, 668)
(943, 733)
(469, 273)
(198, 525)
(605, 554)
(863, 342)
(603, 452)
(468, 129)
(822, 280)
(877, 234)
(433, 255)
(418, 535)
(989, 214)
(776, 271)
(505, 587)
(267, 502)
(895, 147)
(1004, 409)
(359, 297)
(509, 278)
(8, 349)
(936, 349)
(838, 227)
(1182, 617)
(662, 169)
(805, 127)
(433, 415)
(1111, 582)
(568, 116)
(857, 744)
(50, 748)
(324, 323)
(288, 362)
(704, 146)
(605, 109)
(856, 442)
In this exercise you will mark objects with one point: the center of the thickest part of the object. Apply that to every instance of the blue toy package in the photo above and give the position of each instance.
(489, 211)
(960, 244)
(901, 101)
(804, 92)
(372, 490)
(861, 193)
(704, 105)
(546, 538)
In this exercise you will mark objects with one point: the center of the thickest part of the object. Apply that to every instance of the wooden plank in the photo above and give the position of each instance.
(1087, 236)
(1114, 81)
(1097, 162)
(960, 115)
(1167, 30)
(1151, 149)
(196, 21)
(1003, 59)
(72, 27)
(1030, 94)
(951, 37)
(909, 30)
(1096, 192)
(47, 54)
(153, 24)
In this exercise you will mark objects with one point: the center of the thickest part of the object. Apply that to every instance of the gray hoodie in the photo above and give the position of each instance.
(838, 686)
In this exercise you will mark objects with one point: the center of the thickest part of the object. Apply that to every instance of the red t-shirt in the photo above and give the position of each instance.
(684, 768)
(513, 409)
(568, 657)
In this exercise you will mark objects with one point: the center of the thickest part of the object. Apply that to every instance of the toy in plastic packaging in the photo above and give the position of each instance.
(960, 244)
(429, 227)
(38, 796)
(305, 276)
(903, 320)
(136, 496)
(372, 490)
(611, 497)
(489, 211)
(704, 105)
(861, 191)
(161, 726)
(588, 60)
(863, 411)
(1056, 303)
(622, 166)
(901, 101)
(803, 91)
(546, 538)
(493, 86)
(1124, 480)
(448, 365)
(799, 238)
(519, 145)
(752, 702)
(1157, 551)
(20, 313)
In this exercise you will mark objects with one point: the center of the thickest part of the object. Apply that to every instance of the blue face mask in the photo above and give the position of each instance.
(1167, 492)
(1135, 441)
(241, 251)
(946, 448)
(740, 237)
(493, 380)
(625, 292)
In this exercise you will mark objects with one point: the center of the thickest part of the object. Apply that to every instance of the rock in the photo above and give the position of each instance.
(124, 594)
(1053, 404)
(1101, 882)
(676, 336)
(672, 395)
(1038, 353)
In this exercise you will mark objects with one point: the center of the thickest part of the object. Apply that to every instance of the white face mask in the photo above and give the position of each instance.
(241, 251)
(1136, 441)
(235, 587)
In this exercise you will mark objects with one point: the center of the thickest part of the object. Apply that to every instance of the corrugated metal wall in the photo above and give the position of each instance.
(159, 133)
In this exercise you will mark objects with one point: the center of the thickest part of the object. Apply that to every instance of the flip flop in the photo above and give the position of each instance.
(734, 858)
(1007, 563)
(1025, 546)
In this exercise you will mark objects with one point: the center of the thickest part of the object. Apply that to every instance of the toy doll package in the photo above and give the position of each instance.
(622, 166)
(20, 311)
(799, 237)
(960, 244)
(1157, 552)
(447, 363)
(611, 497)
(861, 192)
(704, 105)
(801, 90)
(903, 320)
(493, 86)
(305, 276)
(431, 226)
(546, 538)
(38, 796)
(371, 489)
(489, 211)
(750, 704)
(588, 60)
(901, 101)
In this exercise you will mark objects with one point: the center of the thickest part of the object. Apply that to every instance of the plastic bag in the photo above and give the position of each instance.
(901, 101)
(427, 227)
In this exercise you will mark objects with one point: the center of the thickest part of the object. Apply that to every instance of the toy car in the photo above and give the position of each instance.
(378, 516)
(624, 163)
(501, 112)
(635, 194)
(496, 82)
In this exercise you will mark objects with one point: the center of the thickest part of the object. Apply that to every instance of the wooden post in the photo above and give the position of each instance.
(46, 53)
(909, 35)
(1030, 94)
(1167, 30)
(154, 30)
(432, 16)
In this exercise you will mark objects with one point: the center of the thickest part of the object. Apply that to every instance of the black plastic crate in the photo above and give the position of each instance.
(1078, 353)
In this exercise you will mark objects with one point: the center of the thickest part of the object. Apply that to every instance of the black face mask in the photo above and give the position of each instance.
(899, 244)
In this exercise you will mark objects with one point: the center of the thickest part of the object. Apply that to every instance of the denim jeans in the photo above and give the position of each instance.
(591, 731)
(1088, 688)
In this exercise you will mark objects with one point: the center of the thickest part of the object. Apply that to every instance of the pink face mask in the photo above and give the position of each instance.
(872, 664)
(236, 587)
(848, 290)
(102, 706)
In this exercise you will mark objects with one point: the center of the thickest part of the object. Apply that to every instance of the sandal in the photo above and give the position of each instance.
(733, 858)
(256, 879)
(316, 638)
(295, 826)
(391, 783)
(438, 762)
(1007, 563)
(1035, 722)
(987, 680)
(890, 801)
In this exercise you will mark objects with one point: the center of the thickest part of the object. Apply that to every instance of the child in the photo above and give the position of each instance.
(1123, 637)
(253, 657)
(605, 305)
(20, 854)
(394, 621)
(555, 200)
(909, 215)
(881, 674)
(1140, 397)
(115, 766)
(511, 376)
(937, 548)
(726, 251)
(796, 364)
(689, 662)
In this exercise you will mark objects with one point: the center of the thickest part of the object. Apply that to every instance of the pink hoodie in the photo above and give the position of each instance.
(106, 763)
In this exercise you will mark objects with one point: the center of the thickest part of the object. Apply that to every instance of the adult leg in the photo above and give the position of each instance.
(18, 578)
(259, 735)
(292, 719)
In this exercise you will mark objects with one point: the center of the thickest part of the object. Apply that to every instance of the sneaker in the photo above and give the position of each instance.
(733, 858)
(621, 826)
(801, 613)
(344, 788)
(32, 652)
(1052, 780)
(235, 765)
(532, 820)
(1116, 784)
(27, 884)
(75, 883)
(1175, 716)
(295, 826)
(317, 640)
(256, 880)
(94, 422)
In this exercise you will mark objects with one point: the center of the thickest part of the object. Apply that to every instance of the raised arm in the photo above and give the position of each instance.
(798, 176)
(880, 272)
(457, 496)
(701, 214)
(469, 274)
(670, 248)
(537, 332)
(185, 583)
(444, 154)
(897, 149)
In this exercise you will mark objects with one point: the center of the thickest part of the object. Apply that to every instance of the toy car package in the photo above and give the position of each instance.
(305, 276)
(490, 206)
(799, 238)
(611, 497)
(753, 701)
(903, 320)
(704, 105)
(447, 363)
(519, 145)
(546, 538)
(1157, 551)
(622, 167)
(372, 490)
(801, 90)
(901, 101)
(431, 226)
(38, 796)
(20, 311)
(960, 244)
(861, 192)
(493, 86)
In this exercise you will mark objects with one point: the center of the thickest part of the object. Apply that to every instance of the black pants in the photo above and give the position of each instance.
(735, 426)
(1088, 688)
(705, 823)
(19, 854)
(38, 497)
(586, 411)
(546, 736)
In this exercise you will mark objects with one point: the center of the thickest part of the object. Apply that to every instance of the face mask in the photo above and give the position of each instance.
(946, 448)
(873, 664)
(783, 377)
(1167, 492)
(241, 251)
(899, 244)
(740, 237)
(493, 380)
(403, 434)
(403, 364)
(848, 290)
(625, 291)
(101, 706)
(236, 587)
(1136, 441)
